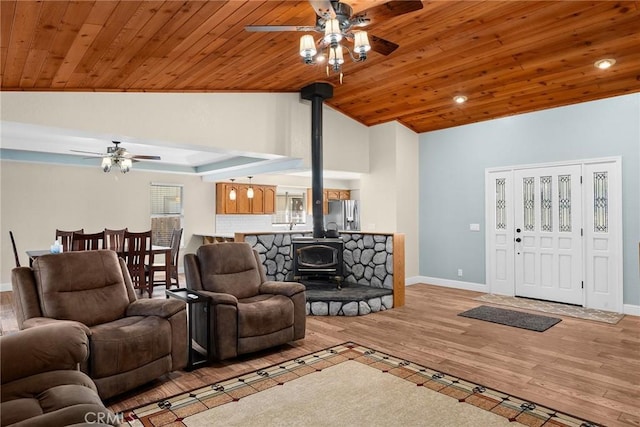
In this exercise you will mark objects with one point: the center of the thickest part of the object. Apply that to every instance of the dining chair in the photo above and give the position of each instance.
(66, 238)
(87, 242)
(114, 239)
(153, 267)
(137, 247)
(15, 252)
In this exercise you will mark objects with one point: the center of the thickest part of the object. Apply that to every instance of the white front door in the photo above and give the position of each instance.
(547, 233)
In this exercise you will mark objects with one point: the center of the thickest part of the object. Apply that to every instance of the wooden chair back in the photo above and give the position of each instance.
(66, 238)
(153, 267)
(15, 251)
(176, 237)
(136, 249)
(114, 239)
(87, 242)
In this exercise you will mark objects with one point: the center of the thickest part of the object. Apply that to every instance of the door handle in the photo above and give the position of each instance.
(518, 240)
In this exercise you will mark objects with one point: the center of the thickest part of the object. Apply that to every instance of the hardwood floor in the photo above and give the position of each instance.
(581, 367)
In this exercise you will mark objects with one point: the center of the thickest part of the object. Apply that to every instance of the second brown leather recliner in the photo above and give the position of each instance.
(248, 312)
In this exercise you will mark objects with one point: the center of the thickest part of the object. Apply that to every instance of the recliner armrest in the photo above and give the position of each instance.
(155, 307)
(219, 298)
(54, 346)
(41, 321)
(281, 288)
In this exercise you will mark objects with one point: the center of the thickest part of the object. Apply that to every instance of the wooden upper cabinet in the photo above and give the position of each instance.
(269, 199)
(263, 201)
(224, 205)
(257, 203)
(242, 201)
(327, 194)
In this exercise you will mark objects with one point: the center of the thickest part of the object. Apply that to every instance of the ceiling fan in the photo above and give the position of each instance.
(336, 21)
(118, 156)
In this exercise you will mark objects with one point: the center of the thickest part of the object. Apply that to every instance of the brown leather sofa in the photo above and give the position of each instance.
(248, 313)
(132, 341)
(41, 383)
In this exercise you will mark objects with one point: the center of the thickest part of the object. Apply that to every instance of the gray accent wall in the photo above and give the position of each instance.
(453, 163)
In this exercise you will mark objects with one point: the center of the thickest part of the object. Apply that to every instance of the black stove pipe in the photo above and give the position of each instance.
(317, 93)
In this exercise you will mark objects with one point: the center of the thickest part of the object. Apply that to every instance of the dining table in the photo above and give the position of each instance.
(155, 250)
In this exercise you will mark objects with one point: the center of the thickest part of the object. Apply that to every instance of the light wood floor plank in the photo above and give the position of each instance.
(580, 367)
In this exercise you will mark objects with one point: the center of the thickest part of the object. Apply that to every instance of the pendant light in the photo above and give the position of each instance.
(250, 189)
(232, 193)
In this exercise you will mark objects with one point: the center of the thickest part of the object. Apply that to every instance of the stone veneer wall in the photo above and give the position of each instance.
(275, 252)
(368, 261)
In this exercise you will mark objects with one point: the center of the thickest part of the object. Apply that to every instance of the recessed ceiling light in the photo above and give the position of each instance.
(460, 99)
(603, 64)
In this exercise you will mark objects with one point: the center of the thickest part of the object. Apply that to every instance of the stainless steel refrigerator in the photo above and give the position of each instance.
(345, 213)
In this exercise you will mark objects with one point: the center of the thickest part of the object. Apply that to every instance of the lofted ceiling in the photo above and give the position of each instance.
(507, 57)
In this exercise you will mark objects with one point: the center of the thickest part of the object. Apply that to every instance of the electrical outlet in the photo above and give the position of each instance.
(459, 272)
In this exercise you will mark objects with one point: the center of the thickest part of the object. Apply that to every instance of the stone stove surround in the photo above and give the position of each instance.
(374, 260)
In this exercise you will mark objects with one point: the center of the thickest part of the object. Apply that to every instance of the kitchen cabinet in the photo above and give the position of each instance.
(269, 199)
(263, 201)
(327, 194)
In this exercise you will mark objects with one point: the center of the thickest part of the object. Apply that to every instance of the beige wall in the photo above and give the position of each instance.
(273, 123)
(389, 193)
(38, 198)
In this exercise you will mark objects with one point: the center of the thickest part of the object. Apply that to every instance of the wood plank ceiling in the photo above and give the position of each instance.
(507, 57)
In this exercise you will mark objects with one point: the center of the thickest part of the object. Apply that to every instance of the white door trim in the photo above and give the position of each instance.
(507, 287)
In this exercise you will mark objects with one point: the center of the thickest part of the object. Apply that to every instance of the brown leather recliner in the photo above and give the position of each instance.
(248, 313)
(132, 341)
(41, 384)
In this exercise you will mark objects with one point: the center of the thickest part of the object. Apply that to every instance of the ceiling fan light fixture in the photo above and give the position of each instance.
(603, 64)
(125, 165)
(308, 48)
(106, 164)
(361, 43)
(332, 32)
(336, 58)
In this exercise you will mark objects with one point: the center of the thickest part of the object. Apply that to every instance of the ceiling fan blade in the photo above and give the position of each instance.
(387, 10)
(323, 8)
(382, 46)
(270, 28)
(145, 157)
(90, 152)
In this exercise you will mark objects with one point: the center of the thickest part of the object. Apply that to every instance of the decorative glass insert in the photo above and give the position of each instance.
(528, 199)
(546, 203)
(501, 205)
(564, 203)
(600, 202)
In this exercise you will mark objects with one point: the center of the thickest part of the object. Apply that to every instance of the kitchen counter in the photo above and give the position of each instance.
(215, 237)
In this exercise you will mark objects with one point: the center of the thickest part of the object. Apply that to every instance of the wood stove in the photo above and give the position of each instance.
(318, 258)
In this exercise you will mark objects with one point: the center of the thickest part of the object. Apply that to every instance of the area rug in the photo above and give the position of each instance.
(553, 308)
(346, 385)
(517, 319)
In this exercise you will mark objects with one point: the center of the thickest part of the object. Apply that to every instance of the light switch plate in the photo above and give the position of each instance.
(474, 227)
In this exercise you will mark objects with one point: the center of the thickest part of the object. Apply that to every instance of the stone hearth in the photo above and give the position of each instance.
(325, 299)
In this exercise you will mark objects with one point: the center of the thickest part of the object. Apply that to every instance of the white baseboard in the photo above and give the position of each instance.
(632, 310)
(5, 287)
(469, 286)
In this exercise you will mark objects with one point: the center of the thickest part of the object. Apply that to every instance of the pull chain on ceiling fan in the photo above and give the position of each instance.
(336, 21)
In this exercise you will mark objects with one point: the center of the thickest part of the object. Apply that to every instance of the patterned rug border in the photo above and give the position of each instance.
(551, 307)
(175, 409)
